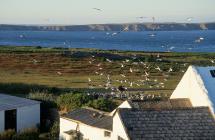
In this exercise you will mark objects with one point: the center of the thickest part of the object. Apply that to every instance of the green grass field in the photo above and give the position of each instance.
(72, 68)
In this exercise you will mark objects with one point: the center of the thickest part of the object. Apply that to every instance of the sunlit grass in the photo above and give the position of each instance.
(53, 68)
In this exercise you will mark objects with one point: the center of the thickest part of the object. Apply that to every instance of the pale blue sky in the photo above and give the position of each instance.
(114, 11)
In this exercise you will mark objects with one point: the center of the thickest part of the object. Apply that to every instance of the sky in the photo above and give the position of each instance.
(79, 12)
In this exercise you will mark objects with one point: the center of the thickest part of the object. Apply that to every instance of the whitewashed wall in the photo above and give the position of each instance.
(183, 89)
(125, 104)
(1, 121)
(89, 132)
(191, 86)
(28, 117)
(118, 128)
(93, 133)
(66, 125)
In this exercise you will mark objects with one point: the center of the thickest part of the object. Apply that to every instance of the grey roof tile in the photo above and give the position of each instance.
(187, 123)
(162, 104)
(91, 117)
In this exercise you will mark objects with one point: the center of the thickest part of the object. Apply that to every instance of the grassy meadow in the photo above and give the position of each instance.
(89, 69)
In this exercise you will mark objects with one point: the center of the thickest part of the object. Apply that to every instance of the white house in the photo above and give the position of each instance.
(18, 113)
(188, 114)
(198, 85)
(140, 120)
(91, 123)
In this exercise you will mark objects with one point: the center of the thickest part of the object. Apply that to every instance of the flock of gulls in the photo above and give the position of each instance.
(128, 68)
(121, 85)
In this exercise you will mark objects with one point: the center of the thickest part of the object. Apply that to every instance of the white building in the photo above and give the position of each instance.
(188, 114)
(91, 123)
(198, 85)
(18, 113)
(140, 120)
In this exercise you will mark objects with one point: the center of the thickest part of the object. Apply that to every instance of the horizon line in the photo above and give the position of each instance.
(127, 23)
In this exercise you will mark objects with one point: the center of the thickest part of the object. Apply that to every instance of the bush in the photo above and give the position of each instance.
(54, 131)
(48, 100)
(103, 104)
(7, 135)
(71, 101)
(27, 134)
(48, 103)
(20, 88)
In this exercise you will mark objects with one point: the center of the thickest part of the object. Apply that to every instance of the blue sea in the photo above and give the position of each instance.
(162, 41)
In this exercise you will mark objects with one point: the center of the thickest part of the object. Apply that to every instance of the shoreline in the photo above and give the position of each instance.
(9, 48)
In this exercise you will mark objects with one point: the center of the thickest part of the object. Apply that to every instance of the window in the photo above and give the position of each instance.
(107, 134)
(212, 73)
(120, 138)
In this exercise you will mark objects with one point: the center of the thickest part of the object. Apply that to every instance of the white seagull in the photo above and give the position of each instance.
(97, 9)
(189, 19)
(170, 70)
(158, 68)
(131, 70)
(122, 66)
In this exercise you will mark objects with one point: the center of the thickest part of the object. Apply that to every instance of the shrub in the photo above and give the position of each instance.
(54, 131)
(7, 135)
(71, 101)
(20, 88)
(48, 103)
(48, 100)
(27, 134)
(102, 104)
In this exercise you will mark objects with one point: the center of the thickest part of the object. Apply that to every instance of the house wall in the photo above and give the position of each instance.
(66, 125)
(125, 104)
(183, 89)
(28, 117)
(88, 132)
(1, 121)
(118, 128)
(191, 86)
(93, 133)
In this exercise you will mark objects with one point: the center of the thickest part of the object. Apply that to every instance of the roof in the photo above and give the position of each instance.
(197, 84)
(193, 123)
(161, 104)
(91, 117)
(208, 80)
(8, 102)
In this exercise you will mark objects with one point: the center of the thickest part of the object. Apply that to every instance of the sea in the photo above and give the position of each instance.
(149, 41)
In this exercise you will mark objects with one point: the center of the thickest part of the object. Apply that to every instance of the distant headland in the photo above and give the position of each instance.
(114, 27)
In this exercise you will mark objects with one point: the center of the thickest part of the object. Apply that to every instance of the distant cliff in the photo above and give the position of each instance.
(116, 27)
